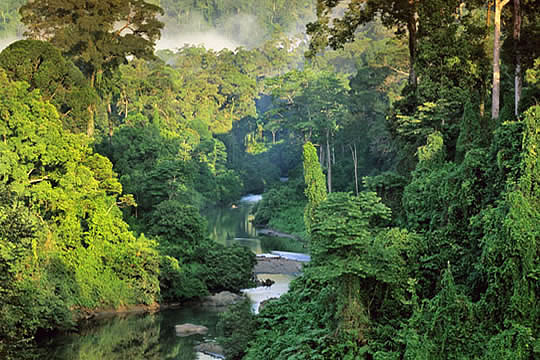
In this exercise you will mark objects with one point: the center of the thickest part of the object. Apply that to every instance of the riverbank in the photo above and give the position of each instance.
(266, 264)
(277, 265)
(276, 233)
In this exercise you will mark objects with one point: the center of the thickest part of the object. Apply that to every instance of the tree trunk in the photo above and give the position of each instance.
(355, 163)
(411, 28)
(91, 109)
(109, 120)
(329, 161)
(488, 15)
(321, 155)
(496, 91)
(517, 54)
(90, 125)
(93, 79)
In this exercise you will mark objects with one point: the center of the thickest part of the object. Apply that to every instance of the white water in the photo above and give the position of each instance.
(251, 198)
(262, 293)
(292, 256)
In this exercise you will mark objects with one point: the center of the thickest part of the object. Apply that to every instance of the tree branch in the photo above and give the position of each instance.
(33, 181)
(397, 70)
(127, 25)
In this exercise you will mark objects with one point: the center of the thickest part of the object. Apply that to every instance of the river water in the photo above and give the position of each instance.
(152, 336)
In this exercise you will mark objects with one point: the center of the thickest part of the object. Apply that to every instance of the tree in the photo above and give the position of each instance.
(496, 91)
(97, 35)
(367, 262)
(518, 81)
(314, 179)
(315, 105)
(335, 31)
(83, 251)
(43, 67)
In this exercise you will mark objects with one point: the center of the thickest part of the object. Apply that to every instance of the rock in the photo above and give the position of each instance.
(190, 329)
(267, 282)
(277, 266)
(211, 348)
(224, 298)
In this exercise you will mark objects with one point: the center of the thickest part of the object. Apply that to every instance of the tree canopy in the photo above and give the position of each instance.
(98, 35)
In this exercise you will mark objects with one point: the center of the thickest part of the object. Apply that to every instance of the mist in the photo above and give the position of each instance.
(239, 30)
(209, 39)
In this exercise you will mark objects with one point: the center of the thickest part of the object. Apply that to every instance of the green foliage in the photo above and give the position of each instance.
(242, 21)
(299, 325)
(213, 89)
(511, 251)
(282, 208)
(443, 327)
(469, 187)
(59, 80)
(389, 186)
(88, 35)
(237, 327)
(181, 226)
(470, 134)
(315, 188)
(29, 301)
(350, 294)
(226, 268)
(192, 265)
(80, 253)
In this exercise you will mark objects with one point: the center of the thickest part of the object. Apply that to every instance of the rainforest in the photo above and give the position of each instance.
(153, 153)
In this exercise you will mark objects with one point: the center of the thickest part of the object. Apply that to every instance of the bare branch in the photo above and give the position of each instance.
(33, 181)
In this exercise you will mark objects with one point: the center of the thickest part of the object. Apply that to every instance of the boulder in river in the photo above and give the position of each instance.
(224, 298)
(190, 329)
(266, 282)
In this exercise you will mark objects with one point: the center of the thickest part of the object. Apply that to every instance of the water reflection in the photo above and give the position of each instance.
(226, 224)
(233, 225)
(134, 337)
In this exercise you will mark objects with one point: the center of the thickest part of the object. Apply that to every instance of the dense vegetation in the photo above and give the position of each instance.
(438, 257)
(421, 207)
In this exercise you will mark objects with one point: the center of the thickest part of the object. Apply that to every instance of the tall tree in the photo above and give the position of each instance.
(332, 30)
(43, 67)
(314, 179)
(97, 35)
(517, 55)
(496, 91)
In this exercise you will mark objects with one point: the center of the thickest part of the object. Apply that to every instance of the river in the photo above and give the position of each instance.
(152, 336)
